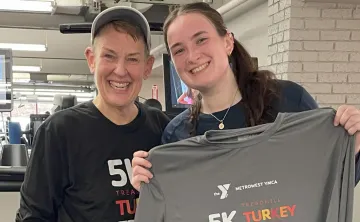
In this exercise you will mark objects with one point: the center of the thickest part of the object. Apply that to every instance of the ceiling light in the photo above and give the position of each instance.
(5, 101)
(84, 94)
(21, 81)
(22, 89)
(23, 93)
(21, 75)
(57, 90)
(23, 47)
(26, 68)
(28, 5)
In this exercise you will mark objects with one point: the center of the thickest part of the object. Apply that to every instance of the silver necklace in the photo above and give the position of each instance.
(221, 124)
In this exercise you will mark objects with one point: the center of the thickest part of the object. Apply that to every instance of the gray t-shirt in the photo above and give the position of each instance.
(299, 168)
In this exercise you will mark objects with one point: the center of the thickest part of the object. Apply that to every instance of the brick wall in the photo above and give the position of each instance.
(318, 46)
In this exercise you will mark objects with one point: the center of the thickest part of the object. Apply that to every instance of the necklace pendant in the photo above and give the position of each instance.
(221, 126)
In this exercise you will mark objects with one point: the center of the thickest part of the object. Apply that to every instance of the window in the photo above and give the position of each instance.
(23, 109)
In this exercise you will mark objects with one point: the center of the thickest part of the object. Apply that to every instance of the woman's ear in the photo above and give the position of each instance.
(148, 67)
(229, 43)
(90, 57)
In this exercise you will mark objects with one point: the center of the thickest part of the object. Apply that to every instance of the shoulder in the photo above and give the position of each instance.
(155, 116)
(290, 88)
(294, 97)
(179, 120)
(177, 129)
(64, 119)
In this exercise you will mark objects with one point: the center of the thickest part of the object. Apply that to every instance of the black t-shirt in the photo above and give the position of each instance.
(80, 166)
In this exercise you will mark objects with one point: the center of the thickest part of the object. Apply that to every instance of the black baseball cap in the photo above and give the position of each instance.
(122, 13)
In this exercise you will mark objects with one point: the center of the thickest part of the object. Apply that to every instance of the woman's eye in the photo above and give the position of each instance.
(109, 56)
(178, 51)
(133, 59)
(201, 40)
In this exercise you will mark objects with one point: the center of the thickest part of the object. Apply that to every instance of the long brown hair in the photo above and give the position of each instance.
(257, 88)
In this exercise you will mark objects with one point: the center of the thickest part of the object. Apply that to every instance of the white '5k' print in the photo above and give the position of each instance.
(114, 170)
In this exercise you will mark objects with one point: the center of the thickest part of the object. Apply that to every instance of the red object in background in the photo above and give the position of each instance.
(155, 92)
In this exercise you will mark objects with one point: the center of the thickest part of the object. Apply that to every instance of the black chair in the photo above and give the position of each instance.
(62, 102)
(15, 155)
(153, 103)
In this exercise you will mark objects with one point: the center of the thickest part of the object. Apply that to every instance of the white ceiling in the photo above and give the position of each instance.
(65, 52)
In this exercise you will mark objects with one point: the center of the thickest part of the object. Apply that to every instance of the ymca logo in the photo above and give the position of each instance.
(224, 191)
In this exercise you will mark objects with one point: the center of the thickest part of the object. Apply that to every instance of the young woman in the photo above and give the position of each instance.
(232, 92)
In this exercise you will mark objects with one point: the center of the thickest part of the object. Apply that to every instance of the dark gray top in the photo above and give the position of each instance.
(299, 168)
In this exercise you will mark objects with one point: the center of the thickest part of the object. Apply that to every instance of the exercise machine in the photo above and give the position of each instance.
(62, 102)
